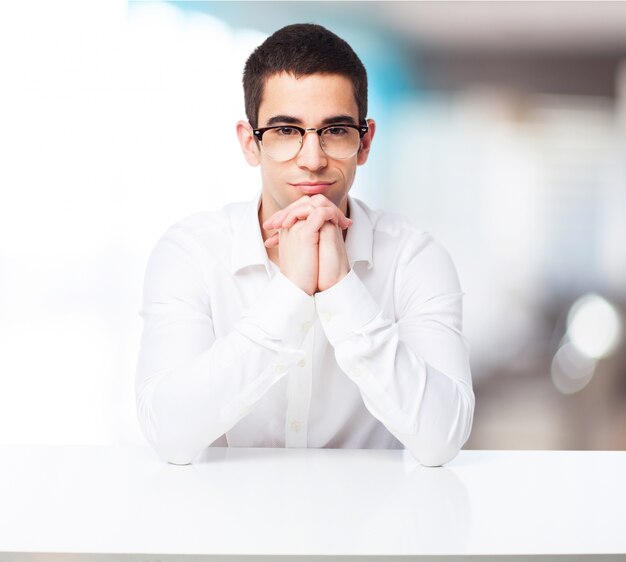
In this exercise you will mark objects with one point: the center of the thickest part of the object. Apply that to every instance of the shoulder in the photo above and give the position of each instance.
(207, 223)
(198, 242)
(399, 244)
(207, 229)
(394, 228)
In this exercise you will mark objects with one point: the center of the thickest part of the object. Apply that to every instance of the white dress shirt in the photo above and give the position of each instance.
(234, 354)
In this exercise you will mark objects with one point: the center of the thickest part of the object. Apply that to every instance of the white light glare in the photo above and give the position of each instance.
(594, 326)
(571, 371)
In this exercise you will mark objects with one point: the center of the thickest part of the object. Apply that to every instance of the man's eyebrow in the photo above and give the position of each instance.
(347, 119)
(288, 119)
(283, 119)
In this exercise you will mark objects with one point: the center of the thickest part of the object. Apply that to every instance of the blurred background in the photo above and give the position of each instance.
(501, 130)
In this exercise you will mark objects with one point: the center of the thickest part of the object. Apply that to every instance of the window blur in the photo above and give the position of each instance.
(501, 130)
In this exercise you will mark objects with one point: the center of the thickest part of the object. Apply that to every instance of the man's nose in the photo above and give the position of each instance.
(311, 155)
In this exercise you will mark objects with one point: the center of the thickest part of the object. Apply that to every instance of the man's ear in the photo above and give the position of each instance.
(249, 146)
(366, 143)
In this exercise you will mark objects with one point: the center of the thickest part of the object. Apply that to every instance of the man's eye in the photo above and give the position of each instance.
(337, 131)
(286, 131)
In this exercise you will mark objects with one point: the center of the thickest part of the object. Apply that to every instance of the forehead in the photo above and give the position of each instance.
(310, 99)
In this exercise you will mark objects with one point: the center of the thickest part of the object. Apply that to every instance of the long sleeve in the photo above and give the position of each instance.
(192, 387)
(412, 371)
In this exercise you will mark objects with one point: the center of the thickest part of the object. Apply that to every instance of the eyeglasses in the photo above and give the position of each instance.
(283, 142)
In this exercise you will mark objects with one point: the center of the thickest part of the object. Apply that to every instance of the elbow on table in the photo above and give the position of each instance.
(436, 455)
(164, 430)
(173, 453)
(431, 449)
(170, 446)
(440, 443)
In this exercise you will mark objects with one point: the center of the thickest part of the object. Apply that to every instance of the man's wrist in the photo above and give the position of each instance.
(284, 312)
(330, 283)
(345, 308)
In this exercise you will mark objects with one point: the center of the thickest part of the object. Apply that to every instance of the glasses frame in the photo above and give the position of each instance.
(362, 129)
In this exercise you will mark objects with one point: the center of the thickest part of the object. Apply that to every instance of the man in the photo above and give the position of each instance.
(303, 318)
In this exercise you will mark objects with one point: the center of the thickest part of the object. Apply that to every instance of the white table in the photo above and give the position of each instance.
(124, 504)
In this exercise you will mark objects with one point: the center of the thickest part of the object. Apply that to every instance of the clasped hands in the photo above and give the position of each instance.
(309, 236)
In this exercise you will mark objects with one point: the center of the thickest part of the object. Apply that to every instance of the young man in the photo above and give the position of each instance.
(303, 318)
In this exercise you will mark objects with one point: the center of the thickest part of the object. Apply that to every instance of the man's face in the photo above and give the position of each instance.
(309, 101)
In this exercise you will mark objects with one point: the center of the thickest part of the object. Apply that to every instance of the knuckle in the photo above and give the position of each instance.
(318, 199)
(299, 209)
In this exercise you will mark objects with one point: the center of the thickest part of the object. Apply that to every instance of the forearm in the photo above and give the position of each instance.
(191, 386)
(184, 409)
(428, 411)
(444, 421)
(413, 374)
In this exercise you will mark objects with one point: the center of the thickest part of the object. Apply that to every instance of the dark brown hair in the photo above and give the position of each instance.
(302, 49)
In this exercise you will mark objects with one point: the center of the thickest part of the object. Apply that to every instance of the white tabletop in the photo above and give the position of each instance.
(123, 502)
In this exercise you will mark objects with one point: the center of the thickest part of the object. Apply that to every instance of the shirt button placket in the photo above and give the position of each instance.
(299, 397)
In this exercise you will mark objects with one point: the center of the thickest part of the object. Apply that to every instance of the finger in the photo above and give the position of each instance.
(327, 230)
(320, 216)
(294, 219)
(272, 241)
(339, 219)
(302, 212)
(268, 224)
(275, 220)
(279, 216)
(296, 214)
(317, 200)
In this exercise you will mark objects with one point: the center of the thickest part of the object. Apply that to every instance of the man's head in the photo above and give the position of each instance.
(305, 78)
(301, 50)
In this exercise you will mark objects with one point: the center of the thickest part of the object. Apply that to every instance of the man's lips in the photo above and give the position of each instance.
(312, 187)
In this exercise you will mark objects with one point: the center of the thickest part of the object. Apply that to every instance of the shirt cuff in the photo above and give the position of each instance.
(345, 308)
(283, 312)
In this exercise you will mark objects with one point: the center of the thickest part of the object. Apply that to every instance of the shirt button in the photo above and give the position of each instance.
(279, 369)
(326, 316)
(355, 372)
(305, 326)
(302, 363)
(296, 426)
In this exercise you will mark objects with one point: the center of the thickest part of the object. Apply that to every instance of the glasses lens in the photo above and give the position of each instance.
(341, 142)
(283, 143)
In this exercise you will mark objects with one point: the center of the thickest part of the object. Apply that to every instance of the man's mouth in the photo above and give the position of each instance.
(312, 187)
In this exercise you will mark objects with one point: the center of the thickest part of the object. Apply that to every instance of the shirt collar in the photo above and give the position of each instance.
(248, 248)
(360, 237)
